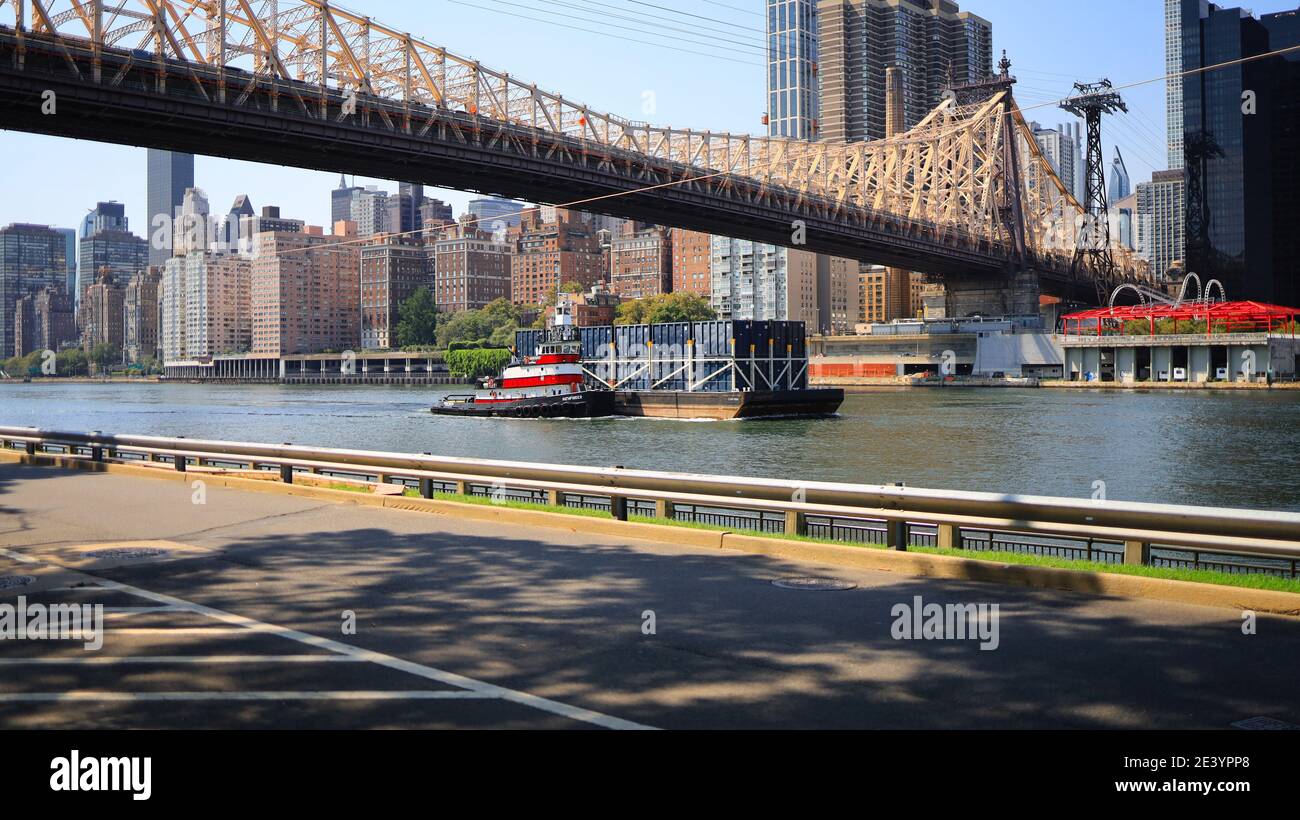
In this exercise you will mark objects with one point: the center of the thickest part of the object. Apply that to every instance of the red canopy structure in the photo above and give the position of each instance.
(1219, 317)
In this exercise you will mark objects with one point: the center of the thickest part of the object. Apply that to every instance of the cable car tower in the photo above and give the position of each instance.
(1088, 102)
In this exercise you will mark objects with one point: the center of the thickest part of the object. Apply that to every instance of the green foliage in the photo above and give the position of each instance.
(71, 362)
(474, 345)
(477, 362)
(1163, 327)
(417, 320)
(105, 356)
(495, 323)
(19, 366)
(666, 307)
(150, 365)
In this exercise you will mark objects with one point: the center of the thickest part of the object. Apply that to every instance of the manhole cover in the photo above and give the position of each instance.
(1264, 723)
(131, 552)
(11, 581)
(814, 584)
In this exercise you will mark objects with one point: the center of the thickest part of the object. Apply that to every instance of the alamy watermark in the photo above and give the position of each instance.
(102, 774)
(919, 621)
(53, 622)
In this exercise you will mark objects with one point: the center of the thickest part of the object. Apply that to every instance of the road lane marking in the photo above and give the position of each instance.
(111, 660)
(86, 695)
(476, 687)
(140, 610)
(173, 630)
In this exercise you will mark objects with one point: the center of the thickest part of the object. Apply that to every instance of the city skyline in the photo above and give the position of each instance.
(665, 92)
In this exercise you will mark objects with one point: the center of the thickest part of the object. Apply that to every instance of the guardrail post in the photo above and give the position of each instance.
(1137, 552)
(662, 510)
(618, 507)
(178, 461)
(426, 488)
(462, 488)
(286, 473)
(555, 498)
(96, 453)
(896, 535)
(946, 537)
(796, 523)
(31, 448)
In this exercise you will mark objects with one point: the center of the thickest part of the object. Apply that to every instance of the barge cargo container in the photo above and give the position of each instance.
(713, 369)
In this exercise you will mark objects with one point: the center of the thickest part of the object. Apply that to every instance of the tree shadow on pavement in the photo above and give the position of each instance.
(561, 615)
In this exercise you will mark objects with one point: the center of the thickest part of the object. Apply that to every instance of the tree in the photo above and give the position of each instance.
(666, 307)
(496, 322)
(19, 366)
(417, 319)
(70, 362)
(477, 362)
(105, 355)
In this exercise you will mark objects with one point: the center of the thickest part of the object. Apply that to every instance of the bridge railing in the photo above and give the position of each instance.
(1236, 541)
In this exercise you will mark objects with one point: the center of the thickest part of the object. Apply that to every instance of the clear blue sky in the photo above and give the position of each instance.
(1051, 43)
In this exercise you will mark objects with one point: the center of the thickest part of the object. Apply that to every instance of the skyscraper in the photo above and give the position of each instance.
(370, 212)
(1161, 220)
(471, 268)
(404, 208)
(752, 280)
(435, 212)
(101, 314)
(233, 224)
(391, 271)
(494, 209)
(1174, 82)
(31, 259)
(70, 252)
(555, 247)
(44, 321)
(341, 201)
(1120, 186)
(1061, 150)
(1241, 150)
(169, 174)
(932, 42)
(641, 263)
(110, 244)
(306, 293)
(692, 251)
(792, 69)
(140, 315)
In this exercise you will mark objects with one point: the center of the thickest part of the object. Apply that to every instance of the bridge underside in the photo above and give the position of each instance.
(455, 153)
(456, 150)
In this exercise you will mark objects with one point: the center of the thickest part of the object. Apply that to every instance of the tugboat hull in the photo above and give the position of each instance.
(590, 404)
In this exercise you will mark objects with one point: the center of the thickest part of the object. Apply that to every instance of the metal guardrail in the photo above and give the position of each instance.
(1229, 540)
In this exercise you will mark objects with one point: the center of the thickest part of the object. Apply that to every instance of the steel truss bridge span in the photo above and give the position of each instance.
(305, 83)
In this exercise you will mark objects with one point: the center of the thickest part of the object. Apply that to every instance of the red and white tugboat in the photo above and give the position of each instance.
(548, 384)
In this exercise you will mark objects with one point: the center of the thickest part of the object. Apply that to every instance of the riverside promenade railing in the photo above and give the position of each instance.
(1227, 540)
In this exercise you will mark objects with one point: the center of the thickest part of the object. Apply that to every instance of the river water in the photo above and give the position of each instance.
(1221, 449)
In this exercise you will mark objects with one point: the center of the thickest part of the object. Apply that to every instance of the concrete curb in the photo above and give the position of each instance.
(1068, 580)
(906, 563)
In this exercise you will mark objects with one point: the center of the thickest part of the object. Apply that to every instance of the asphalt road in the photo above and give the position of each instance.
(468, 625)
